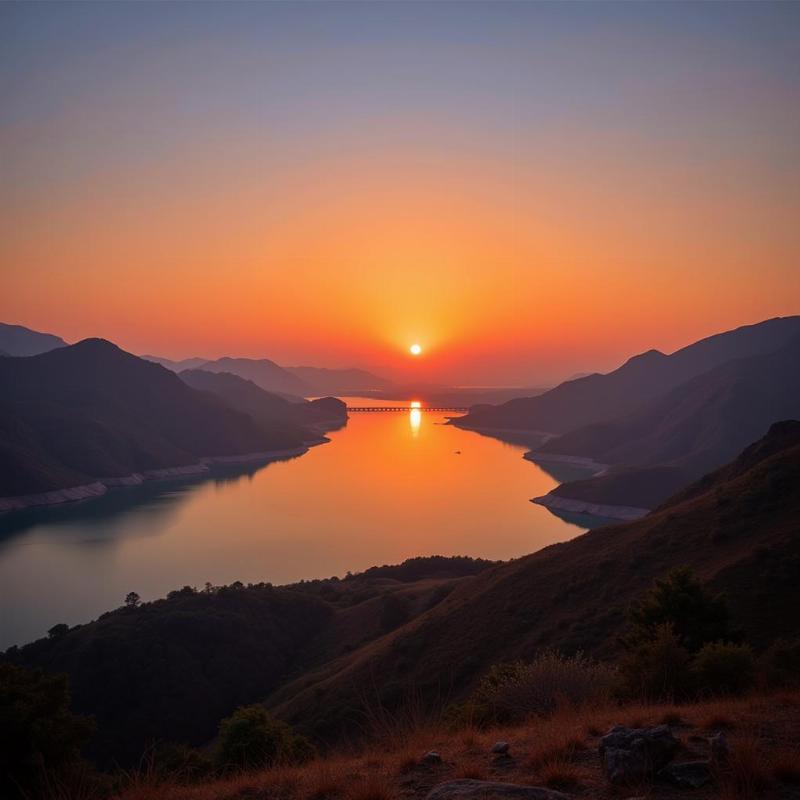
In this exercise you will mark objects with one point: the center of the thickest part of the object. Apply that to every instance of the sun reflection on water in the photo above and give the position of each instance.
(415, 417)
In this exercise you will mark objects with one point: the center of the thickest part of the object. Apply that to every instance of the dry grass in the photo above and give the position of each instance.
(765, 755)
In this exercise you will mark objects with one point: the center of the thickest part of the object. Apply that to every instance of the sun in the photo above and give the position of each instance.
(415, 349)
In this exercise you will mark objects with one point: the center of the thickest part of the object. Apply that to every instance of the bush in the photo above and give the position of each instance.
(695, 615)
(40, 738)
(251, 738)
(518, 690)
(723, 668)
(182, 764)
(658, 668)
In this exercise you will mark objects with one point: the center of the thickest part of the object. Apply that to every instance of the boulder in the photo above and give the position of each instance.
(718, 748)
(501, 748)
(630, 755)
(468, 789)
(431, 759)
(689, 775)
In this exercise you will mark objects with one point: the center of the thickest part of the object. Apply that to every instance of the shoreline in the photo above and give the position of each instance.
(577, 461)
(99, 486)
(621, 513)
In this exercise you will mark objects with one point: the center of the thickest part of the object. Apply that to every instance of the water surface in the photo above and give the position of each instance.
(387, 487)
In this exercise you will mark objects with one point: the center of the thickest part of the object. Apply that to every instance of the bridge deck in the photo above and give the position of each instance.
(405, 408)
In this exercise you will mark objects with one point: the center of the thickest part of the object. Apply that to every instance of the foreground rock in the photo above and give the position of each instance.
(689, 775)
(629, 755)
(468, 789)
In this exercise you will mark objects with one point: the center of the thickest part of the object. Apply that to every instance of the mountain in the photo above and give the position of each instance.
(270, 411)
(15, 340)
(91, 411)
(177, 366)
(598, 398)
(685, 433)
(264, 373)
(737, 529)
(339, 381)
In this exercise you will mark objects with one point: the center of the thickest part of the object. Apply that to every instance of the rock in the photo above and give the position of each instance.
(501, 748)
(468, 789)
(629, 755)
(719, 748)
(431, 759)
(689, 775)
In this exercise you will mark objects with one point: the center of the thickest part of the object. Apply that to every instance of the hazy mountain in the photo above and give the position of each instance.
(15, 340)
(737, 530)
(270, 411)
(339, 381)
(91, 410)
(177, 366)
(264, 373)
(686, 432)
(598, 398)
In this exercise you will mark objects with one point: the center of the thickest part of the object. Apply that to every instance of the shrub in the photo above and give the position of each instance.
(723, 668)
(251, 738)
(40, 738)
(658, 668)
(181, 763)
(518, 690)
(695, 615)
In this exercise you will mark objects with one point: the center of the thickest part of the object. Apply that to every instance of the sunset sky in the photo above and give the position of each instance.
(527, 190)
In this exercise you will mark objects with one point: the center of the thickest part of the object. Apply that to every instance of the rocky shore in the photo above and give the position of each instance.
(100, 486)
(625, 513)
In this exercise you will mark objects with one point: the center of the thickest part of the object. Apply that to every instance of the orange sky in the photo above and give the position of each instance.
(516, 247)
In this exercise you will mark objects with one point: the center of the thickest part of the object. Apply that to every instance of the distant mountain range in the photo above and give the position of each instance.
(430, 626)
(658, 422)
(86, 416)
(15, 340)
(292, 382)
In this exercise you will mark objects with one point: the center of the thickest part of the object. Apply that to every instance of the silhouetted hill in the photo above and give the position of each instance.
(270, 411)
(339, 381)
(171, 669)
(739, 533)
(598, 398)
(91, 410)
(177, 366)
(16, 340)
(264, 373)
(685, 433)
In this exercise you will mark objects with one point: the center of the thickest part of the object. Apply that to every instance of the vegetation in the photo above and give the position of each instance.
(40, 738)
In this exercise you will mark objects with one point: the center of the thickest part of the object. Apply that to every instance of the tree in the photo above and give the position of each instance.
(251, 738)
(57, 631)
(40, 738)
(657, 668)
(132, 600)
(694, 614)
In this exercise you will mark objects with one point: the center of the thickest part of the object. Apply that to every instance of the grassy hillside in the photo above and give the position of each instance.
(739, 533)
(171, 669)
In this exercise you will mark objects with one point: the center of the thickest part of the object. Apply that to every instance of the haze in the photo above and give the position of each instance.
(526, 193)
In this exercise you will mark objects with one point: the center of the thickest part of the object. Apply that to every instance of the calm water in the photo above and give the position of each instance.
(388, 486)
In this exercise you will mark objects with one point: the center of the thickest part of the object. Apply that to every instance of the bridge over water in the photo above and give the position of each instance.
(405, 408)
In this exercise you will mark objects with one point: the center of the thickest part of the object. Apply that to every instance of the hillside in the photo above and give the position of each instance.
(173, 668)
(687, 432)
(272, 412)
(16, 340)
(598, 398)
(91, 411)
(739, 533)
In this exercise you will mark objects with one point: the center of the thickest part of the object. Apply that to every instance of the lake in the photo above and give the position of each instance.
(387, 487)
